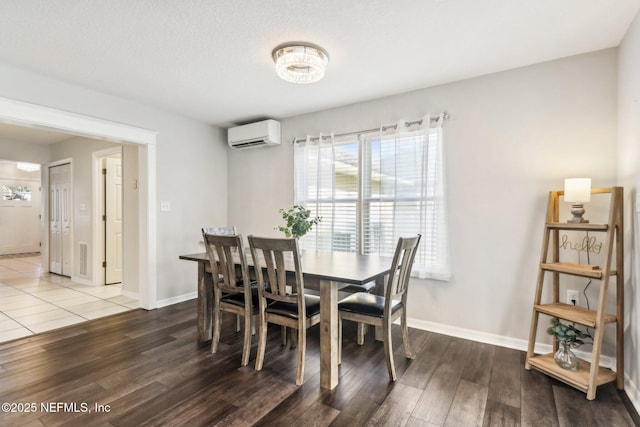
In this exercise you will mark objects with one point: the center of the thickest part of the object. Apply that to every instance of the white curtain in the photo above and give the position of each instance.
(374, 187)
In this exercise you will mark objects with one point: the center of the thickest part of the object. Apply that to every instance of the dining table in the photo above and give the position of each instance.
(323, 270)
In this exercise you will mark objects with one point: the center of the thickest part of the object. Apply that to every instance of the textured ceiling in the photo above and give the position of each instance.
(211, 59)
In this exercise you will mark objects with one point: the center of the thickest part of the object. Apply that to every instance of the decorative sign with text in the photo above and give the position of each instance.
(588, 244)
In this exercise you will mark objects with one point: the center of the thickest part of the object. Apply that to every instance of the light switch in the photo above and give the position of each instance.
(165, 206)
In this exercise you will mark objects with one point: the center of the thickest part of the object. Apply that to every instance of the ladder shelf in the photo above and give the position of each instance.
(588, 376)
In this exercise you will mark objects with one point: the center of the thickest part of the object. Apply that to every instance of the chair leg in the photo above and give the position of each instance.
(246, 348)
(238, 322)
(405, 336)
(283, 335)
(254, 321)
(293, 341)
(388, 350)
(361, 332)
(302, 346)
(217, 320)
(339, 339)
(262, 341)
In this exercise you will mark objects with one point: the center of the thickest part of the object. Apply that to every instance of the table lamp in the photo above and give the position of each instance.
(577, 191)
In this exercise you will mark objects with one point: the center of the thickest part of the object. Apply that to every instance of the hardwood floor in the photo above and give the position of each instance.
(145, 368)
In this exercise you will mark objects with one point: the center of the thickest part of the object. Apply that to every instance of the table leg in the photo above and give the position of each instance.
(328, 335)
(205, 305)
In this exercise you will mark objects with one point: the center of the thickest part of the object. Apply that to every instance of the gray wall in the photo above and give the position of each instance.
(512, 137)
(629, 176)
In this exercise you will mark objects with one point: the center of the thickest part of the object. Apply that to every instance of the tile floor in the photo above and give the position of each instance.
(33, 302)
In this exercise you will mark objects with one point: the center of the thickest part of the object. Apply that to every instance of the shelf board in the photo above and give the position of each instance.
(572, 313)
(578, 378)
(583, 270)
(578, 227)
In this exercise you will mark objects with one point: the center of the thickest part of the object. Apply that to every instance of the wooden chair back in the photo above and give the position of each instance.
(276, 256)
(403, 259)
(224, 251)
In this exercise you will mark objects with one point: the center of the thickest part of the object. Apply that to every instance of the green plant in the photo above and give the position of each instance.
(298, 221)
(567, 333)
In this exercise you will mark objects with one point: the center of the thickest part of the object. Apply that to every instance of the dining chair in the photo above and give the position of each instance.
(382, 311)
(353, 288)
(231, 293)
(225, 231)
(280, 302)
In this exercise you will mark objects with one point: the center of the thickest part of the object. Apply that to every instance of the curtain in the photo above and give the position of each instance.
(374, 187)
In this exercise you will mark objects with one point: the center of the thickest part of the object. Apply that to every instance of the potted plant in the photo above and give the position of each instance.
(568, 337)
(298, 221)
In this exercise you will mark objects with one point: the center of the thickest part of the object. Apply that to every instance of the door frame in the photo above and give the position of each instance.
(33, 115)
(98, 206)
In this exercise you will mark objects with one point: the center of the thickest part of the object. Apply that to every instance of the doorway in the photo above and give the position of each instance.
(108, 171)
(144, 269)
(19, 207)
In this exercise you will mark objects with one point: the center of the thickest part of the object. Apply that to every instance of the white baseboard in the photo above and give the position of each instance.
(632, 391)
(177, 299)
(82, 281)
(514, 343)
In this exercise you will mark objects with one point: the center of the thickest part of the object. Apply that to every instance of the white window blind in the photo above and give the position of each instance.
(372, 188)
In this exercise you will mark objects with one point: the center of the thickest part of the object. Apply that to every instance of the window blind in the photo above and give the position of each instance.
(371, 189)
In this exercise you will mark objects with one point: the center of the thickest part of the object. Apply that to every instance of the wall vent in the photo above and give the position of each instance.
(83, 259)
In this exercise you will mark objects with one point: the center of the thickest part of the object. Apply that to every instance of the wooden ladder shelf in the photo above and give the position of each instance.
(588, 376)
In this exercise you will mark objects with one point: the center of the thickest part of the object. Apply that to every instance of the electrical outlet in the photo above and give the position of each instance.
(573, 297)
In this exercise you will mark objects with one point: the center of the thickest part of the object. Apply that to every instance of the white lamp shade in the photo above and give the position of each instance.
(577, 190)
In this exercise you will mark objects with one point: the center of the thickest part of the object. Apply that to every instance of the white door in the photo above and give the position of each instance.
(113, 220)
(60, 219)
(19, 216)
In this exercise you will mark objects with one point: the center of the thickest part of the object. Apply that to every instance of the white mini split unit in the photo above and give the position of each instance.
(258, 134)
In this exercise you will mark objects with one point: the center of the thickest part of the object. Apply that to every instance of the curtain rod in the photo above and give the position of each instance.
(442, 116)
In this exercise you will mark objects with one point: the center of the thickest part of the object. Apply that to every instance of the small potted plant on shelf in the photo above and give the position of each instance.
(298, 221)
(568, 337)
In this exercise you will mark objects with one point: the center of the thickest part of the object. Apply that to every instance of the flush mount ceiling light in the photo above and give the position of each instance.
(300, 62)
(28, 167)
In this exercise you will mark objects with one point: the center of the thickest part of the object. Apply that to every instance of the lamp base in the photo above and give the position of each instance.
(577, 221)
(577, 210)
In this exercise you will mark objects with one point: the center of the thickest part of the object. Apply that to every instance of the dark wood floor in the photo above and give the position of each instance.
(144, 368)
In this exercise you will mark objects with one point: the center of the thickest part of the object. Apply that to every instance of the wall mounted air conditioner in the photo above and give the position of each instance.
(266, 132)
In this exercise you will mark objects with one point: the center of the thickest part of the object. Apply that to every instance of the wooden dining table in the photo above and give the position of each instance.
(326, 271)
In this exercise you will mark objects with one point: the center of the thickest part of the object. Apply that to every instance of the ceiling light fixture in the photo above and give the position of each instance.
(28, 167)
(300, 62)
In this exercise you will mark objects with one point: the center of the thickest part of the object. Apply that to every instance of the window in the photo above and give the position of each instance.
(371, 189)
(16, 192)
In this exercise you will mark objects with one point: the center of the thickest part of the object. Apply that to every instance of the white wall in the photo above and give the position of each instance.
(191, 167)
(511, 138)
(629, 176)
